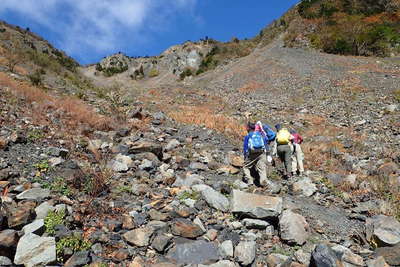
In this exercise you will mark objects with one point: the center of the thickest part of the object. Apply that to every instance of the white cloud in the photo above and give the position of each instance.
(99, 25)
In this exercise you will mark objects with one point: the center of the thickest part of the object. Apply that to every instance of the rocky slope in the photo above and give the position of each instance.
(170, 195)
(150, 174)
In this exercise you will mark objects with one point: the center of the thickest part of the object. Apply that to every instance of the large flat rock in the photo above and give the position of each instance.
(256, 206)
(196, 252)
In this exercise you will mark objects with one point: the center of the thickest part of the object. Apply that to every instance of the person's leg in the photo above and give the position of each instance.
(287, 159)
(281, 155)
(294, 163)
(300, 157)
(261, 167)
(248, 165)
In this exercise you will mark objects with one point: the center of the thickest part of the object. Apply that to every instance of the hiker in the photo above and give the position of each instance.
(254, 151)
(270, 134)
(297, 156)
(284, 148)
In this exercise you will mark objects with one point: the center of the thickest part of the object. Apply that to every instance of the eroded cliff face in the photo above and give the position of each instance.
(175, 60)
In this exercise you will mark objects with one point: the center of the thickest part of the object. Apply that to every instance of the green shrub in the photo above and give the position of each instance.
(187, 194)
(304, 9)
(396, 94)
(185, 73)
(42, 166)
(341, 47)
(99, 67)
(110, 71)
(60, 186)
(153, 73)
(327, 10)
(74, 243)
(52, 219)
(34, 135)
(36, 78)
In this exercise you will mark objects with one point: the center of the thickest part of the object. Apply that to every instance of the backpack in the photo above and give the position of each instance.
(283, 137)
(256, 142)
(270, 134)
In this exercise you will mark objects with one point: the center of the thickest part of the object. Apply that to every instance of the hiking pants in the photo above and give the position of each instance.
(258, 161)
(297, 159)
(285, 154)
(273, 146)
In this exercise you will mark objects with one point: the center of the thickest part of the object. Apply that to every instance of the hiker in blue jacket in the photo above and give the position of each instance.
(255, 146)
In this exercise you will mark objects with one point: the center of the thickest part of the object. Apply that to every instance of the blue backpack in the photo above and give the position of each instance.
(256, 141)
(271, 135)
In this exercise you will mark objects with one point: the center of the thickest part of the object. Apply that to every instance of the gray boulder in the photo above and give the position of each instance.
(293, 227)
(34, 250)
(139, 237)
(188, 181)
(36, 227)
(324, 256)
(212, 197)
(226, 249)
(383, 230)
(34, 194)
(256, 206)
(245, 252)
(305, 187)
(196, 252)
(172, 144)
(4, 261)
(43, 209)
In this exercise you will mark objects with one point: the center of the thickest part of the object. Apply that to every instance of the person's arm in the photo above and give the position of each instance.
(245, 146)
(300, 139)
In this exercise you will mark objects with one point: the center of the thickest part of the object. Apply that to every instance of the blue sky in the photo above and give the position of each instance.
(88, 30)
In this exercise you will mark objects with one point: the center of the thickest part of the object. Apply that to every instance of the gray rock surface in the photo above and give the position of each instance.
(377, 262)
(226, 249)
(34, 194)
(4, 261)
(245, 252)
(324, 256)
(256, 206)
(43, 209)
(294, 228)
(34, 250)
(305, 187)
(196, 252)
(188, 181)
(346, 255)
(36, 227)
(223, 263)
(383, 229)
(255, 224)
(212, 197)
(139, 237)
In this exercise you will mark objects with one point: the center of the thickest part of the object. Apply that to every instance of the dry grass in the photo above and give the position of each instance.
(72, 111)
(250, 87)
(208, 118)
